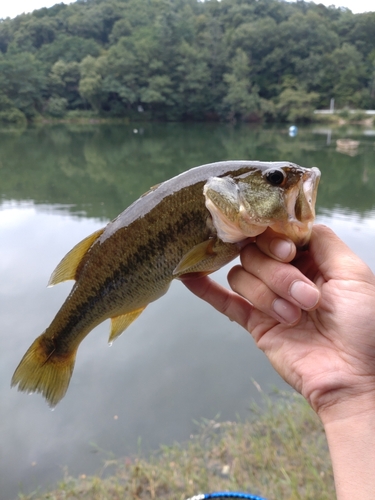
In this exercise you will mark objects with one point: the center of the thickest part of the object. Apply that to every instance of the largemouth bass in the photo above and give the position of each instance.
(190, 225)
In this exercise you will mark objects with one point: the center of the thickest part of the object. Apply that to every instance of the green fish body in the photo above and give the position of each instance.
(190, 225)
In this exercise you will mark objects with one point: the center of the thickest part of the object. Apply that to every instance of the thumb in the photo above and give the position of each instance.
(333, 257)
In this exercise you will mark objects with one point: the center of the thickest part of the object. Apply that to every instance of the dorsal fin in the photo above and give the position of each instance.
(67, 268)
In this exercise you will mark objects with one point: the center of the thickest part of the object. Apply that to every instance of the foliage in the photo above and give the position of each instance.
(242, 100)
(296, 105)
(188, 59)
(57, 106)
(22, 82)
(9, 114)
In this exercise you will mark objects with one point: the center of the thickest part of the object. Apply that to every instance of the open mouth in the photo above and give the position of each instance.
(301, 200)
(300, 203)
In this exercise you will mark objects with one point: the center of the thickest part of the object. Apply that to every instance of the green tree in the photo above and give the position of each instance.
(57, 106)
(188, 59)
(242, 99)
(192, 94)
(35, 32)
(9, 114)
(68, 48)
(91, 81)
(23, 82)
(121, 28)
(296, 105)
(6, 34)
(358, 30)
(63, 82)
(347, 74)
(95, 21)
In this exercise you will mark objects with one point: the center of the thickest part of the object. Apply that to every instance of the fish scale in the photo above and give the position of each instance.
(190, 225)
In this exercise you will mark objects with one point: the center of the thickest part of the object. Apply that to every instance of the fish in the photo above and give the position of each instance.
(188, 226)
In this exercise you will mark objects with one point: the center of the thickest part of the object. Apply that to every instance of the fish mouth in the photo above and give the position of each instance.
(300, 205)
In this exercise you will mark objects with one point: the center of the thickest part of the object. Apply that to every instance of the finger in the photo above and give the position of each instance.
(306, 264)
(235, 307)
(276, 246)
(284, 280)
(262, 297)
(334, 258)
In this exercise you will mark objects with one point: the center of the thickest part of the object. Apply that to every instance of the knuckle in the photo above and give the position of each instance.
(225, 306)
(281, 277)
(247, 256)
(260, 292)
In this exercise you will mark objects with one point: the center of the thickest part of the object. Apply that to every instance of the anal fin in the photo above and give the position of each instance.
(120, 323)
(67, 268)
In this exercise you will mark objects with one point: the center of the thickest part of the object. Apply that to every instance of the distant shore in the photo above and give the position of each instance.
(342, 117)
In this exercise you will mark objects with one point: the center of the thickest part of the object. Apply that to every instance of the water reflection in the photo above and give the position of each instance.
(101, 169)
(166, 370)
(59, 185)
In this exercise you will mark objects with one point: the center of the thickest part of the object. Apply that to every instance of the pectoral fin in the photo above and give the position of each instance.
(206, 257)
(120, 323)
(67, 268)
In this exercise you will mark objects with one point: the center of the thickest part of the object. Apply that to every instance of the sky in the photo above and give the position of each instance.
(12, 8)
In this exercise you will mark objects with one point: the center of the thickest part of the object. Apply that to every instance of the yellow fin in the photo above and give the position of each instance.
(42, 370)
(206, 257)
(120, 323)
(67, 268)
(195, 256)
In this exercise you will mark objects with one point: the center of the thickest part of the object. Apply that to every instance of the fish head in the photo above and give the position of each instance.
(277, 195)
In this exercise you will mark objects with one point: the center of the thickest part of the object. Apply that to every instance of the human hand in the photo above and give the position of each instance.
(312, 318)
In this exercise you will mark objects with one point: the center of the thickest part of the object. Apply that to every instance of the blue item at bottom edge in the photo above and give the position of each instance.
(226, 494)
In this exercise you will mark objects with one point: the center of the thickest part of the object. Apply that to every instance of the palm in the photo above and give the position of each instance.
(331, 348)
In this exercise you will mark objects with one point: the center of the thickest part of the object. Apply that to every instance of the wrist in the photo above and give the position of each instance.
(339, 394)
(347, 406)
(350, 431)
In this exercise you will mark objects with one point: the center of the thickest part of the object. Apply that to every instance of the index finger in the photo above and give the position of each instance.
(235, 307)
(276, 245)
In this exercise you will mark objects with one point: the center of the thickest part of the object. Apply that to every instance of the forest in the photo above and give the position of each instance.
(176, 60)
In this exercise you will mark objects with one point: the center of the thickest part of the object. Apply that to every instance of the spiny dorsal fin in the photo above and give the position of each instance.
(67, 268)
(120, 323)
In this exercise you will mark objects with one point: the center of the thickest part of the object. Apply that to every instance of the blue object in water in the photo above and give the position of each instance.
(293, 131)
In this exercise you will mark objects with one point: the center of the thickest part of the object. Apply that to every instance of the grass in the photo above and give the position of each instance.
(280, 453)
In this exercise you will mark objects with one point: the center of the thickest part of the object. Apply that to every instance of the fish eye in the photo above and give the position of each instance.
(275, 177)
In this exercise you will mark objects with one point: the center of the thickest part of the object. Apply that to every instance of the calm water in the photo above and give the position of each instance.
(180, 361)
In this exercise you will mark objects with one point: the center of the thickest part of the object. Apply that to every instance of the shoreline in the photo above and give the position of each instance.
(280, 452)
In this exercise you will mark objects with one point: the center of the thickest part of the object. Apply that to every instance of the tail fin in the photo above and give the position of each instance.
(43, 370)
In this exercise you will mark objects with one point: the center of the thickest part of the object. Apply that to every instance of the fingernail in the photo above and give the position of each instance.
(286, 311)
(281, 248)
(304, 294)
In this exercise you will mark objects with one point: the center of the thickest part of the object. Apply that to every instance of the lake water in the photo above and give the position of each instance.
(181, 360)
